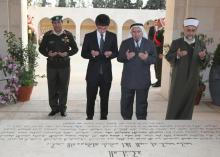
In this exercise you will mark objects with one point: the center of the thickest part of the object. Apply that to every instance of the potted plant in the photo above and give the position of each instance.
(214, 77)
(26, 58)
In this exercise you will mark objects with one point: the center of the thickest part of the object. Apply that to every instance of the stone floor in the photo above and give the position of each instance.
(38, 108)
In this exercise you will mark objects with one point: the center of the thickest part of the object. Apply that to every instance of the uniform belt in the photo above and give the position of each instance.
(57, 59)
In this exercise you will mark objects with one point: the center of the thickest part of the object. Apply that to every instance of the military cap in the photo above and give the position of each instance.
(56, 18)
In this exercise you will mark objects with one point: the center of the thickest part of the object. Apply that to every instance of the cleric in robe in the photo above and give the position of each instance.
(186, 55)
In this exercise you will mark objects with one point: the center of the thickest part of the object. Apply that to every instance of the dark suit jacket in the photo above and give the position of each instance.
(151, 33)
(91, 43)
(136, 72)
(160, 37)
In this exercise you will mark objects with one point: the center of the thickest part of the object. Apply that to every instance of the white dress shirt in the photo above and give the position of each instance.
(99, 37)
(139, 43)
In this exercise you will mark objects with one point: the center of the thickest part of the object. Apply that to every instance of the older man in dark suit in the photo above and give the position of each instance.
(137, 53)
(99, 47)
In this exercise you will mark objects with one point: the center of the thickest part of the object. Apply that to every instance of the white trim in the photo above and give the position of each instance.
(191, 22)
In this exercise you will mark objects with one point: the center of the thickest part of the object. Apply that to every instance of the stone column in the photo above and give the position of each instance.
(4, 24)
(14, 9)
(23, 27)
(175, 15)
(10, 15)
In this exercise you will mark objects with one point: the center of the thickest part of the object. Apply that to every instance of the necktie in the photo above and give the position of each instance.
(101, 46)
(137, 45)
(101, 43)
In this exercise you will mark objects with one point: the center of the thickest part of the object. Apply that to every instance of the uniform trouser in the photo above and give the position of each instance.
(158, 69)
(58, 82)
(127, 100)
(91, 91)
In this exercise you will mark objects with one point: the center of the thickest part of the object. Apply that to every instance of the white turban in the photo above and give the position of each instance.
(139, 25)
(191, 22)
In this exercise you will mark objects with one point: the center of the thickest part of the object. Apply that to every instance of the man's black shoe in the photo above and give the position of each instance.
(157, 84)
(89, 118)
(103, 118)
(52, 113)
(63, 114)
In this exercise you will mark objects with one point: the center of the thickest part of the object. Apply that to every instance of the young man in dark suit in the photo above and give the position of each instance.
(99, 46)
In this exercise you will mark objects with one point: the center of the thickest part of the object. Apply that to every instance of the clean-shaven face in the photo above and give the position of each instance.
(102, 29)
(57, 26)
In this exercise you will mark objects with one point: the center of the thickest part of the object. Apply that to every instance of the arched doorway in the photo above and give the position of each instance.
(88, 25)
(126, 28)
(44, 26)
(113, 27)
(69, 25)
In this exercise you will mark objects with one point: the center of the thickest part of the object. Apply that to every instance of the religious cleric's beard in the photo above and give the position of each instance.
(189, 40)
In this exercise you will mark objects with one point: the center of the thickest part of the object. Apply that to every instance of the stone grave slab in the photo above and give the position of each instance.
(69, 138)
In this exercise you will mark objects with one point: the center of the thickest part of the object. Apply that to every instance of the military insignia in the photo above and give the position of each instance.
(65, 39)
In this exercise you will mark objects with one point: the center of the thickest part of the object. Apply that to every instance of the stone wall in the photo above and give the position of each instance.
(10, 21)
(207, 12)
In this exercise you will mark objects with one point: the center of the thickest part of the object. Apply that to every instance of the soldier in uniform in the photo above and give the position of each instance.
(57, 45)
(156, 34)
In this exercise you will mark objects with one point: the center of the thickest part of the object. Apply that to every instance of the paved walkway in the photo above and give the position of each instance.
(39, 109)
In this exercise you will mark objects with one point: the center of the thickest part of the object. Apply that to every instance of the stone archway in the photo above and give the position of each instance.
(69, 25)
(148, 24)
(88, 25)
(126, 28)
(44, 26)
(113, 27)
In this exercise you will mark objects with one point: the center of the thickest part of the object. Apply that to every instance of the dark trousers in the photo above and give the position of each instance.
(91, 91)
(127, 100)
(158, 69)
(58, 82)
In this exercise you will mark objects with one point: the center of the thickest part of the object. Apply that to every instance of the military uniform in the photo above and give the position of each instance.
(58, 68)
(158, 38)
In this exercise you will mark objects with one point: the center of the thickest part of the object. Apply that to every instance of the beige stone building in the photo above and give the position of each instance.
(81, 20)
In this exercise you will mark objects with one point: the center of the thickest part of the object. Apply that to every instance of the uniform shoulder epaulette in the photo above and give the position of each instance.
(48, 33)
(67, 32)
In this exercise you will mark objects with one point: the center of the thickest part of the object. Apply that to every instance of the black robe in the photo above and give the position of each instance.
(184, 79)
